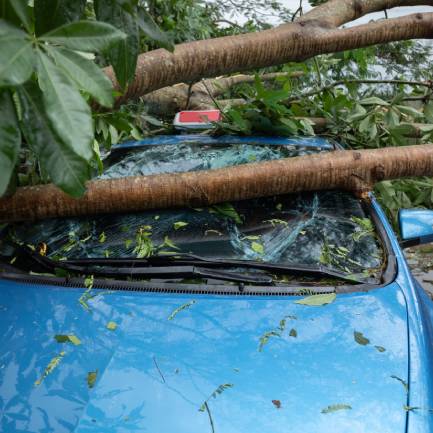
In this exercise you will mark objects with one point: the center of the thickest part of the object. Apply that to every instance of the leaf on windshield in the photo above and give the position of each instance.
(102, 238)
(317, 300)
(212, 231)
(179, 224)
(68, 339)
(218, 391)
(360, 339)
(112, 326)
(179, 309)
(257, 247)
(91, 378)
(50, 367)
(227, 210)
(250, 238)
(275, 221)
(404, 383)
(335, 407)
(168, 243)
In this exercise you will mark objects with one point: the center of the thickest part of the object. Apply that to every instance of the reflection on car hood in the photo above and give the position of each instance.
(171, 352)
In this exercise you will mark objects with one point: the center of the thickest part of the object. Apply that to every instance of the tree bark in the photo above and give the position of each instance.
(314, 33)
(199, 96)
(348, 170)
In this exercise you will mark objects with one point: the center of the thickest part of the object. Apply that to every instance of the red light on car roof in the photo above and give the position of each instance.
(202, 116)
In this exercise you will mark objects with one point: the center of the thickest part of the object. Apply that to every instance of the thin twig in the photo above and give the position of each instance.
(345, 82)
(210, 417)
(188, 98)
(159, 371)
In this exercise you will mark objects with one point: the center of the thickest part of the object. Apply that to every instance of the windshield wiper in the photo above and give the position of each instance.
(191, 259)
(110, 268)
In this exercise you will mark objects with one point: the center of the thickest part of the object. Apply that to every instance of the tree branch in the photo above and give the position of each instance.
(290, 42)
(335, 13)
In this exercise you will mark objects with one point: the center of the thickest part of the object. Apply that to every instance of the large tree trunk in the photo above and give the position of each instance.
(315, 33)
(349, 170)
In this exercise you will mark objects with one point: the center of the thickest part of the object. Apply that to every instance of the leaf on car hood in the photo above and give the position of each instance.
(50, 367)
(179, 309)
(112, 326)
(335, 407)
(71, 338)
(218, 391)
(317, 300)
(91, 378)
(360, 339)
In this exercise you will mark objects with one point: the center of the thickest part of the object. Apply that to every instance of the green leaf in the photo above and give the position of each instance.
(91, 378)
(428, 112)
(68, 111)
(179, 309)
(17, 57)
(257, 247)
(112, 326)
(373, 101)
(360, 339)
(179, 224)
(22, 10)
(357, 113)
(68, 339)
(403, 382)
(123, 54)
(151, 29)
(90, 36)
(410, 111)
(335, 407)
(54, 363)
(50, 14)
(86, 75)
(317, 300)
(227, 210)
(66, 169)
(10, 139)
(218, 391)
(168, 243)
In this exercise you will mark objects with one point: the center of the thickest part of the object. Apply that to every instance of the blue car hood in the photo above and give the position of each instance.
(171, 353)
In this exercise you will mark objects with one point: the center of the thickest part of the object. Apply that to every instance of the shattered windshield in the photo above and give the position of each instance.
(327, 228)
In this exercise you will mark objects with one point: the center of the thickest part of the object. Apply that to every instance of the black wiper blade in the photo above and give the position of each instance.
(105, 268)
(191, 259)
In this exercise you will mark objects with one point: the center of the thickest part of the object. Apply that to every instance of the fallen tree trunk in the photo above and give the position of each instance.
(314, 33)
(347, 170)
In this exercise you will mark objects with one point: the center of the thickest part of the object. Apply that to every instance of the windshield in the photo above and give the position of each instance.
(317, 229)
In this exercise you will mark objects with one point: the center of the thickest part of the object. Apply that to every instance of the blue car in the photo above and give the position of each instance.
(295, 313)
